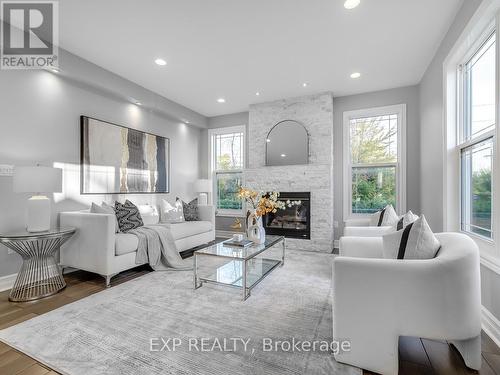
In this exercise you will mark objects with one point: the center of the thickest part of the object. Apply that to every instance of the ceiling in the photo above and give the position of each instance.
(235, 48)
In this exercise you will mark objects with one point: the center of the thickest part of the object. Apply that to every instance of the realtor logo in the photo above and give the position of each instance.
(29, 34)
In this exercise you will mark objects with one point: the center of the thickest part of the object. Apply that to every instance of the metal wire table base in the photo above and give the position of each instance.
(40, 275)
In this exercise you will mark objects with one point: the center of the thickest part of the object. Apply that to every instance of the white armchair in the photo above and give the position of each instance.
(361, 228)
(377, 300)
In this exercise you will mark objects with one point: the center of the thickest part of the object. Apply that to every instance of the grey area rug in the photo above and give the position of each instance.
(110, 332)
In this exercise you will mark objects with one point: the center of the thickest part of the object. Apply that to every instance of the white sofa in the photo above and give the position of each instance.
(96, 247)
(377, 300)
(361, 228)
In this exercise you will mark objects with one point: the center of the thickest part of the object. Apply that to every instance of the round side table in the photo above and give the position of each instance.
(40, 275)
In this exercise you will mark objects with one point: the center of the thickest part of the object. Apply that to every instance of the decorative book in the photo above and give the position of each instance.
(243, 243)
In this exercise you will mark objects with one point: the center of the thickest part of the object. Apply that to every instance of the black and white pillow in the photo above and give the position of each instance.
(386, 217)
(128, 216)
(405, 220)
(415, 241)
(191, 210)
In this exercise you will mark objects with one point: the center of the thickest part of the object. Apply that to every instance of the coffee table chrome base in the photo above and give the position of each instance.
(243, 263)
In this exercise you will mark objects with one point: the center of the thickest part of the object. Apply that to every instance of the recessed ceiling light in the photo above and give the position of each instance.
(304, 84)
(268, 140)
(283, 155)
(355, 75)
(257, 93)
(221, 100)
(351, 4)
(160, 62)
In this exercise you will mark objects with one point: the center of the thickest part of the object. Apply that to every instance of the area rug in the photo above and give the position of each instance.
(158, 324)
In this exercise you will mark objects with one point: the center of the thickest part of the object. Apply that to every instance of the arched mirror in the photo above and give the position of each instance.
(287, 144)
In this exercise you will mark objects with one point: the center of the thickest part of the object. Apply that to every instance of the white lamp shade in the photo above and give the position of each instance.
(37, 180)
(203, 186)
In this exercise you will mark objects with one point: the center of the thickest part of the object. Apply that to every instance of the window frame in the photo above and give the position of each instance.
(465, 140)
(400, 164)
(212, 133)
(485, 21)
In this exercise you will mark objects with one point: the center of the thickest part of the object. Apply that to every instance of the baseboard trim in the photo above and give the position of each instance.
(7, 282)
(491, 263)
(490, 325)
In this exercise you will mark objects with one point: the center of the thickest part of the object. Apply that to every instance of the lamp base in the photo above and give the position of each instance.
(203, 199)
(38, 219)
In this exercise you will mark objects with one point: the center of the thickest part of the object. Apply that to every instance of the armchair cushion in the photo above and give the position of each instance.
(385, 217)
(416, 241)
(405, 220)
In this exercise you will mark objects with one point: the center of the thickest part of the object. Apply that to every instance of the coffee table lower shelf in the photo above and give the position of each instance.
(231, 274)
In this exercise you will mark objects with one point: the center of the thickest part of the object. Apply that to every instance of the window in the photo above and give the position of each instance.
(374, 159)
(476, 138)
(226, 165)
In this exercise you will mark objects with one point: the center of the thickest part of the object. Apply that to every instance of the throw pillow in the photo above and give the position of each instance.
(386, 217)
(149, 214)
(191, 210)
(105, 209)
(415, 241)
(172, 213)
(128, 216)
(405, 220)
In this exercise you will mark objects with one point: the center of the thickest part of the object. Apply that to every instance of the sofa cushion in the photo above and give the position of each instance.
(128, 216)
(149, 214)
(189, 228)
(415, 241)
(125, 243)
(172, 213)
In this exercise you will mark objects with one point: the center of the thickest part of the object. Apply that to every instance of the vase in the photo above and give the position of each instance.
(255, 230)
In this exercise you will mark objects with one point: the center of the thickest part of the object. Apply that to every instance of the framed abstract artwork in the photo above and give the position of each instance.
(120, 160)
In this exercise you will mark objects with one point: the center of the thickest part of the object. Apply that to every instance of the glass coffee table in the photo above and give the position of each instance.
(236, 266)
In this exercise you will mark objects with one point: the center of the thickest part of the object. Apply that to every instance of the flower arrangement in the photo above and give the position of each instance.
(264, 203)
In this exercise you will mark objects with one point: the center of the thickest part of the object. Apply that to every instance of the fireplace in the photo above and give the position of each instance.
(291, 222)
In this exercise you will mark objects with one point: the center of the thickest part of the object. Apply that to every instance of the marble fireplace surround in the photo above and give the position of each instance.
(315, 112)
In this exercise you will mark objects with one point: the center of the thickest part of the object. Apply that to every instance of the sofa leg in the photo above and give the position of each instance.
(471, 351)
(108, 279)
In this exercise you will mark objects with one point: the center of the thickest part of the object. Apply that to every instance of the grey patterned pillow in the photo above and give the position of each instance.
(128, 216)
(191, 210)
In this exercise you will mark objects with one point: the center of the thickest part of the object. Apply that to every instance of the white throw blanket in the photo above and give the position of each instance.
(157, 247)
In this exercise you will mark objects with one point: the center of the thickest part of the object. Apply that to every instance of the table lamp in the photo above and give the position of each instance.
(38, 180)
(203, 187)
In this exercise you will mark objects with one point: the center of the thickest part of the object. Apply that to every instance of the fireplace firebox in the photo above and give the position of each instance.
(291, 222)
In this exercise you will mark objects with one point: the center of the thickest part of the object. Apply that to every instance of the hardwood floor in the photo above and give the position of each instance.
(417, 356)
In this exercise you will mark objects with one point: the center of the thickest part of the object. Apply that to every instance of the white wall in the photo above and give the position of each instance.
(39, 122)
(431, 119)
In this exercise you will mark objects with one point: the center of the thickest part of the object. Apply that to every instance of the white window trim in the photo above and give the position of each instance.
(212, 171)
(400, 110)
(473, 36)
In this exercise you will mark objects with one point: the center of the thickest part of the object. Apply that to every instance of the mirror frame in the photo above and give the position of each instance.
(270, 131)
